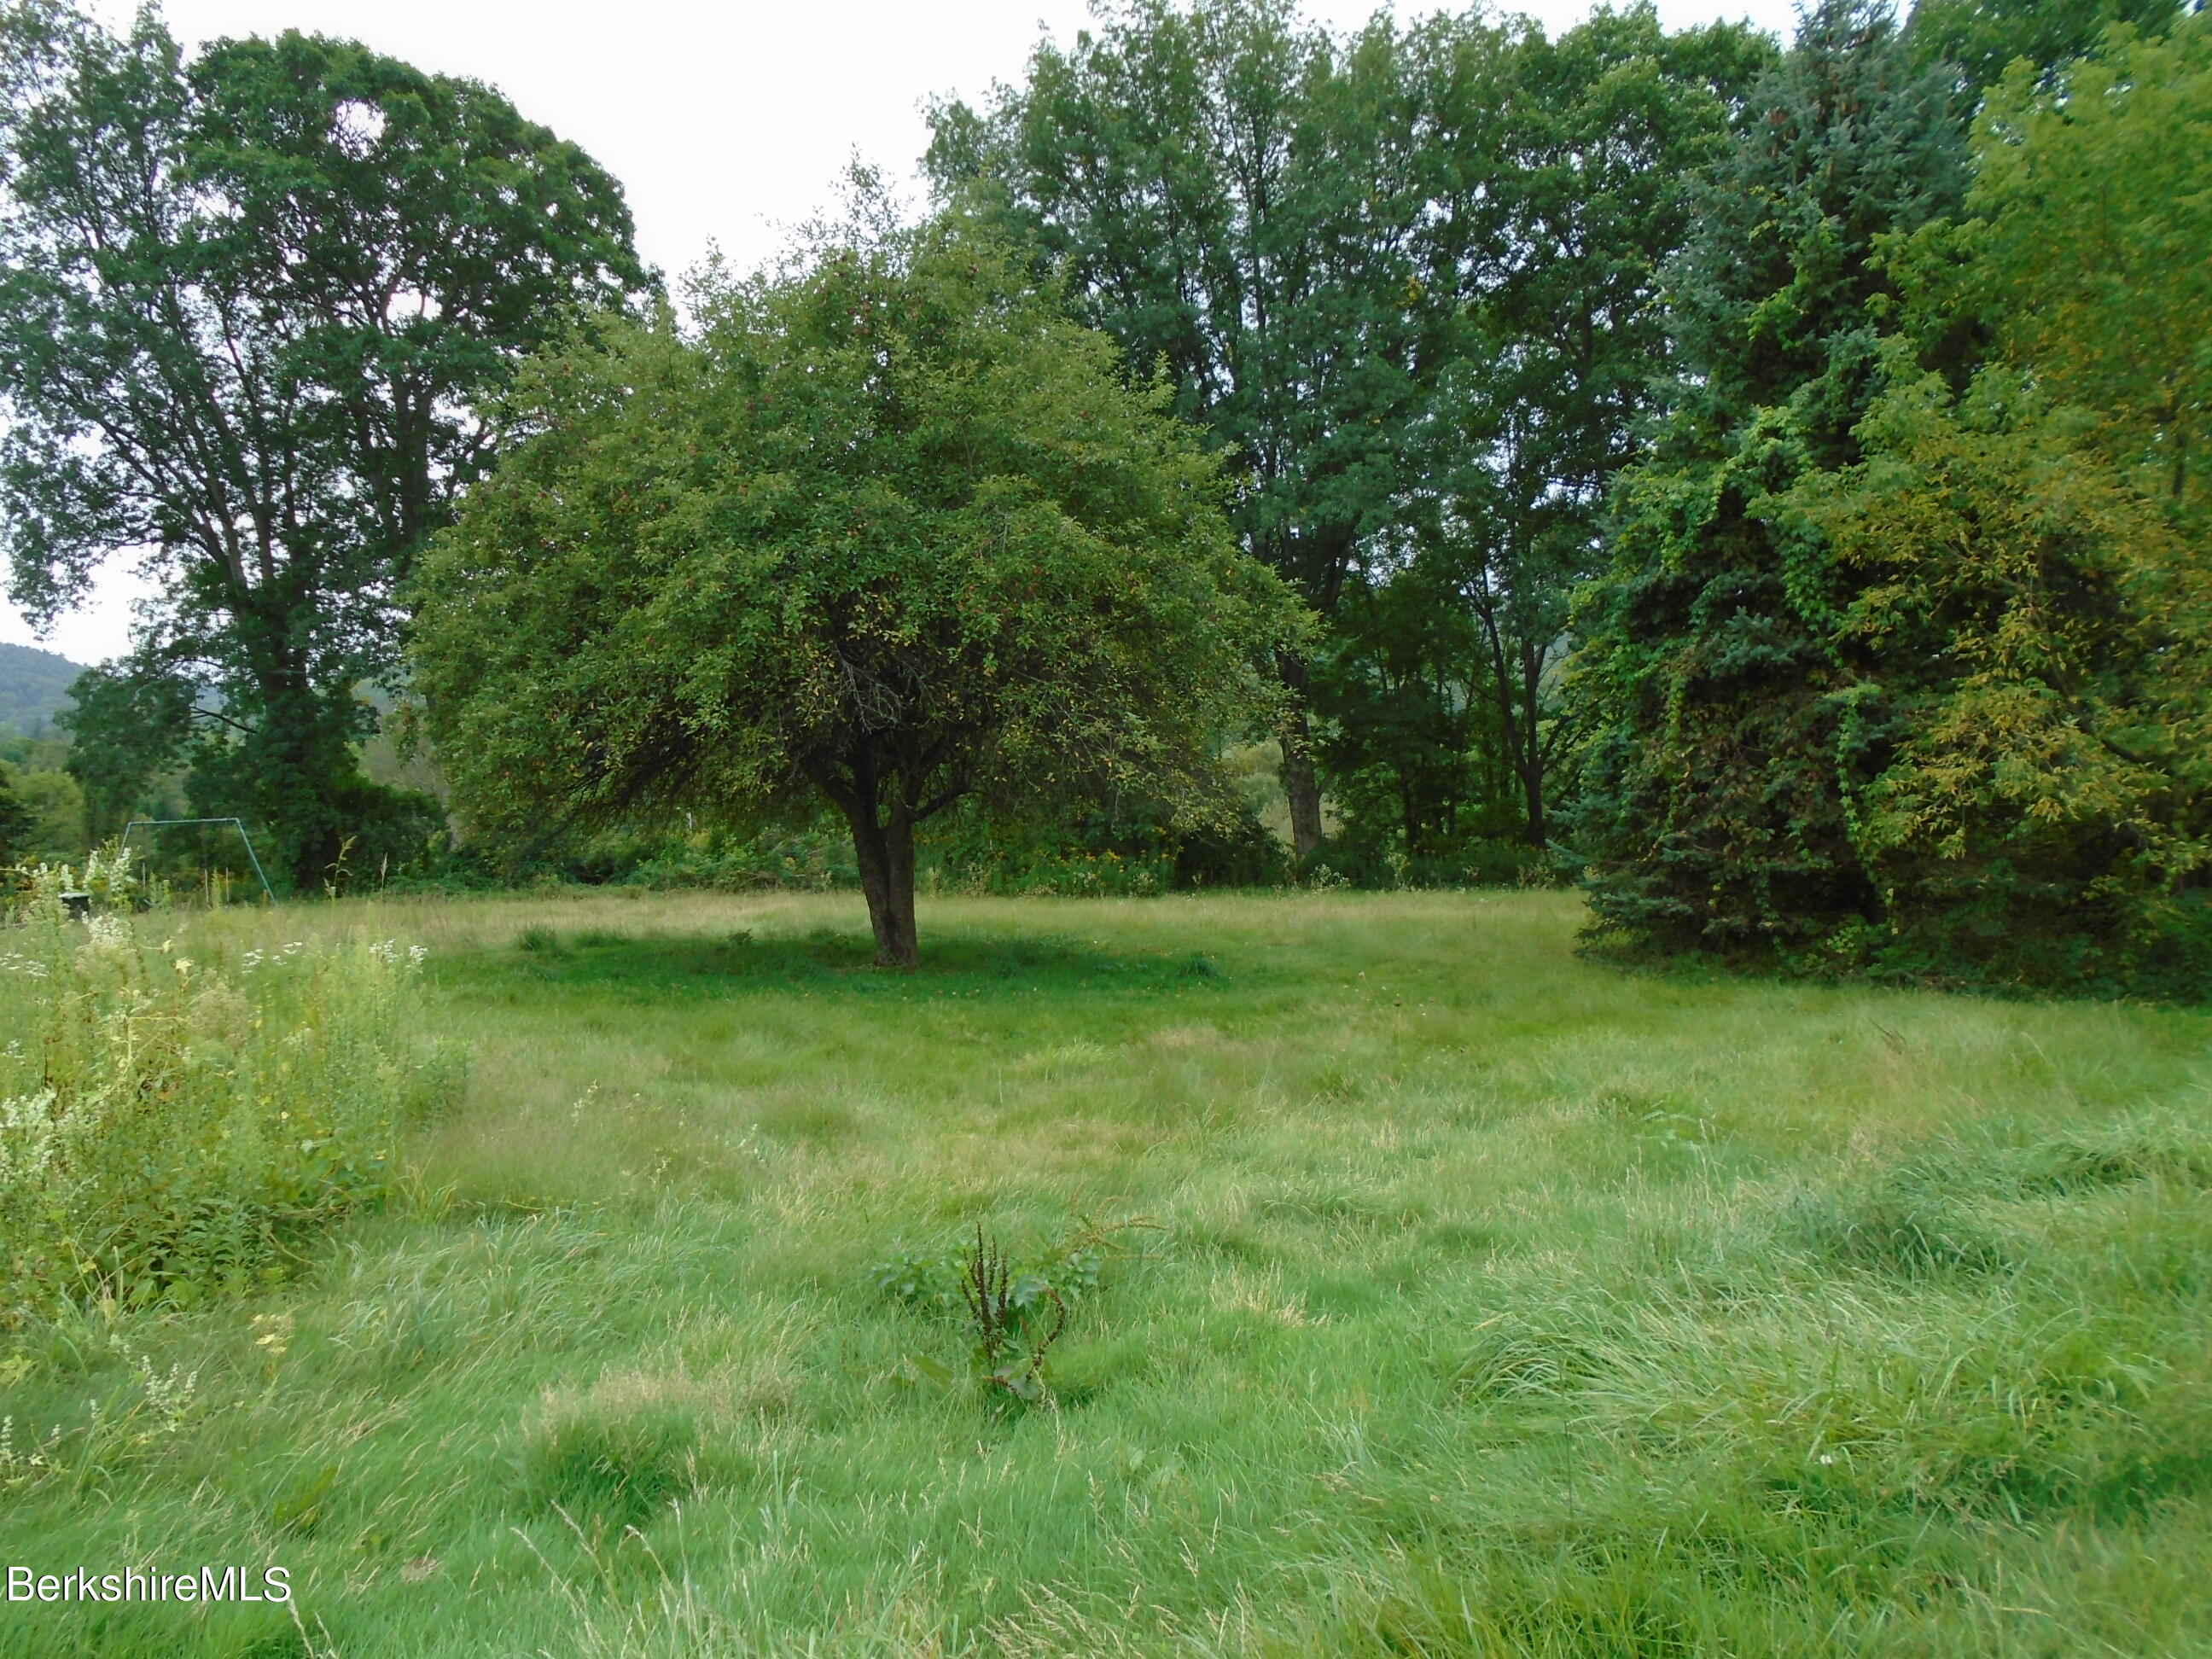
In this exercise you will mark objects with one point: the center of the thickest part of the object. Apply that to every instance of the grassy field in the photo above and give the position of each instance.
(1472, 1299)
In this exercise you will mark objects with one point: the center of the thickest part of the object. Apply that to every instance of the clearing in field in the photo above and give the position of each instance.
(1429, 1292)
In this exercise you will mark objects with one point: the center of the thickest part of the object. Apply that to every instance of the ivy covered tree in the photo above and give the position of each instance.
(2040, 632)
(1905, 660)
(251, 305)
(886, 532)
(1726, 734)
(2031, 600)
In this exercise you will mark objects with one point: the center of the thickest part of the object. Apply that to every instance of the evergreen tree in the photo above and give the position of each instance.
(1728, 737)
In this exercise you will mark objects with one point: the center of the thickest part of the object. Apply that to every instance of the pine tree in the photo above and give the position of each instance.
(1729, 738)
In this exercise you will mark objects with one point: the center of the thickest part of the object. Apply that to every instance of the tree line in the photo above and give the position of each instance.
(1764, 482)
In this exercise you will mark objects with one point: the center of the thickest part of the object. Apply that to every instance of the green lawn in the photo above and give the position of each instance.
(1486, 1300)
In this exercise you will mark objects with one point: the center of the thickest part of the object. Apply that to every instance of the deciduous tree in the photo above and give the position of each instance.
(1258, 209)
(887, 530)
(250, 305)
(1602, 135)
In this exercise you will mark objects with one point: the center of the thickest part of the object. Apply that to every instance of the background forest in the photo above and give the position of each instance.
(1766, 485)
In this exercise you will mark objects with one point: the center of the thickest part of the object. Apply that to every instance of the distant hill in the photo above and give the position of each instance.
(33, 686)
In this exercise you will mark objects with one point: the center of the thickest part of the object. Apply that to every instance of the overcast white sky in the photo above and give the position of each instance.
(723, 121)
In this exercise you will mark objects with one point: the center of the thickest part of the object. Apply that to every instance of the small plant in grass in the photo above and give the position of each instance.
(1013, 1313)
(1004, 1311)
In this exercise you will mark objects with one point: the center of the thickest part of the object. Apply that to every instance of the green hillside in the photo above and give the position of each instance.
(33, 686)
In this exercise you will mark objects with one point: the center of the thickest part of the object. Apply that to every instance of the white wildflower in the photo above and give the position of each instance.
(27, 1131)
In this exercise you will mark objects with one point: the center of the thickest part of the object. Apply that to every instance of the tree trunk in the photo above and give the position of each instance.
(1301, 784)
(286, 771)
(1302, 788)
(1531, 770)
(885, 855)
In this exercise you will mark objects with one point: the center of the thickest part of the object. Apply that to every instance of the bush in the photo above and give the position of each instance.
(815, 856)
(1106, 856)
(170, 1128)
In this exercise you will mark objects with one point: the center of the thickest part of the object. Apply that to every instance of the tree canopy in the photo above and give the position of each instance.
(1406, 279)
(885, 529)
(250, 305)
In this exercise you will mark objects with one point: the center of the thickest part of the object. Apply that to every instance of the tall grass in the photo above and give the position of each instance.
(176, 1123)
(1489, 1302)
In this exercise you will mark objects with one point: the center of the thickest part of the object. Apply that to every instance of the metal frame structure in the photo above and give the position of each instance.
(267, 892)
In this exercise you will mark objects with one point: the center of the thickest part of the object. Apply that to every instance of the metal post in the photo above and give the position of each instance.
(267, 892)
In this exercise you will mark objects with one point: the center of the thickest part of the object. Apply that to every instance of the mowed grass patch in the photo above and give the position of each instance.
(1486, 1300)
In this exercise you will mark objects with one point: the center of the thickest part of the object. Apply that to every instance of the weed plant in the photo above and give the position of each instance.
(1013, 1314)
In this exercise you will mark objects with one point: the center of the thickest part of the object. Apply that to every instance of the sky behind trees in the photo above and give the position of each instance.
(725, 122)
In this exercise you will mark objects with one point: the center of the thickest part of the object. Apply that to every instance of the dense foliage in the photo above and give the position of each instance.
(1902, 661)
(19, 824)
(1404, 279)
(885, 532)
(1720, 717)
(1773, 482)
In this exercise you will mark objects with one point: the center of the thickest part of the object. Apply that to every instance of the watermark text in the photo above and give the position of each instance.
(208, 1584)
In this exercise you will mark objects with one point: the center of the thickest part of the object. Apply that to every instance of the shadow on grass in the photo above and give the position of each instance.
(826, 961)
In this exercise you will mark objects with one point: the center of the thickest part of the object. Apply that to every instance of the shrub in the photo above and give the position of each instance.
(171, 1128)
(1134, 854)
(810, 856)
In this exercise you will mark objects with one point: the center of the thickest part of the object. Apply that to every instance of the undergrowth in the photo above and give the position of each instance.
(175, 1125)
